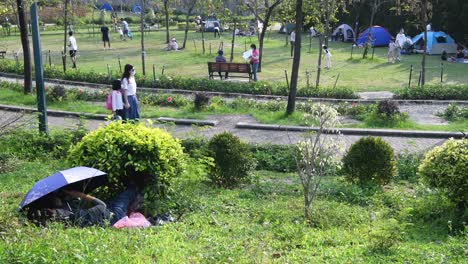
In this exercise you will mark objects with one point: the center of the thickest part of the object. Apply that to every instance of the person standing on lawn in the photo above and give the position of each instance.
(254, 60)
(292, 40)
(399, 43)
(105, 36)
(129, 88)
(124, 28)
(72, 47)
(327, 54)
(117, 100)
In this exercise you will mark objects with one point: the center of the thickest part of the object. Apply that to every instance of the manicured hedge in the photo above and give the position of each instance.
(434, 92)
(184, 83)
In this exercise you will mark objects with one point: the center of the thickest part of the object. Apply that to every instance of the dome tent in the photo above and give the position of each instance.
(379, 36)
(436, 42)
(106, 7)
(348, 32)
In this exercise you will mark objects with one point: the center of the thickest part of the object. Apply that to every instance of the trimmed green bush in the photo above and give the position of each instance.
(233, 160)
(446, 167)
(369, 161)
(454, 113)
(434, 92)
(136, 153)
(183, 83)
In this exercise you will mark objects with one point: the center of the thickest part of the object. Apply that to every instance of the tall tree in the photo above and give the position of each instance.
(166, 14)
(23, 25)
(142, 28)
(262, 11)
(296, 60)
(375, 5)
(65, 22)
(423, 11)
(189, 5)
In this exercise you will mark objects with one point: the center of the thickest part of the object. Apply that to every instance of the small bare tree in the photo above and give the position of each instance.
(317, 153)
(12, 121)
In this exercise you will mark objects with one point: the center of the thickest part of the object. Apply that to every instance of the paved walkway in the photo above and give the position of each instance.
(228, 122)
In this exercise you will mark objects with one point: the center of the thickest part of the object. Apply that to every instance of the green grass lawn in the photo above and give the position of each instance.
(362, 75)
(259, 223)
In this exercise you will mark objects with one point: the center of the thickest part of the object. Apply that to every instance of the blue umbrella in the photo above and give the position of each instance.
(78, 178)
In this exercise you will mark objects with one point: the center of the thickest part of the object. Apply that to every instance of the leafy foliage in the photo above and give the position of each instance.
(408, 164)
(132, 153)
(388, 108)
(370, 161)
(434, 92)
(200, 101)
(446, 166)
(56, 93)
(453, 112)
(233, 161)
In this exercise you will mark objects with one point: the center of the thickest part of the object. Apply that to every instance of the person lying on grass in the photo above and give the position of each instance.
(98, 214)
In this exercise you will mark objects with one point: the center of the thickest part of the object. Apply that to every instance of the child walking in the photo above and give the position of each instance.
(327, 53)
(117, 101)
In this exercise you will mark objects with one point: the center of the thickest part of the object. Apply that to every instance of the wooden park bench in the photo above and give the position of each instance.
(229, 67)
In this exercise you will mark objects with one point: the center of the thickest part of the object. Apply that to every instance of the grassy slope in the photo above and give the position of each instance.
(260, 223)
(369, 75)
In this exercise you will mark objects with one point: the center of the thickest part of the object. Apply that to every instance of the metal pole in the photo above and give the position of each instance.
(108, 73)
(419, 80)
(410, 74)
(352, 49)
(154, 73)
(441, 72)
(50, 60)
(336, 81)
(41, 100)
(286, 76)
(373, 50)
(162, 71)
(307, 76)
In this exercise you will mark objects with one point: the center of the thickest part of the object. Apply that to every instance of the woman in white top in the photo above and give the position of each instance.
(129, 87)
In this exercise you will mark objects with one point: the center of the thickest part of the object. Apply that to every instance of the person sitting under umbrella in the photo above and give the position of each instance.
(99, 213)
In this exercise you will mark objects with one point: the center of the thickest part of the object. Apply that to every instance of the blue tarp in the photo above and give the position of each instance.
(107, 7)
(434, 39)
(379, 36)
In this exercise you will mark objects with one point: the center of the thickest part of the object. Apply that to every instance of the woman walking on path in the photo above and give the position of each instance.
(129, 87)
(254, 60)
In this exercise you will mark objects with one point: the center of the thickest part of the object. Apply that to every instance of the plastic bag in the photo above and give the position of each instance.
(132, 221)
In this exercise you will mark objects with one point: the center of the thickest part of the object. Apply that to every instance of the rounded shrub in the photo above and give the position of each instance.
(233, 160)
(446, 167)
(131, 153)
(370, 161)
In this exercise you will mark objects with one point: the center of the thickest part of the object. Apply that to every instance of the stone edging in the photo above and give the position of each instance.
(243, 95)
(358, 131)
(59, 113)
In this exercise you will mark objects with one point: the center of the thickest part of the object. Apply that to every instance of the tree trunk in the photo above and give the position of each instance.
(265, 22)
(327, 22)
(423, 61)
(319, 64)
(166, 13)
(371, 24)
(187, 26)
(65, 21)
(203, 37)
(142, 24)
(233, 40)
(25, 44)
(296, 62)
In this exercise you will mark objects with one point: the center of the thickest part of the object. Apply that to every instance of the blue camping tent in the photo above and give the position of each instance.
(136, 9)
(106, 7)
(436, 42)
(379, 36)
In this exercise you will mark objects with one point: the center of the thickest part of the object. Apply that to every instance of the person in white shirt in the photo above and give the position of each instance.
(327, 53)
(129, 88)
(292, 40)
(429, 27)
(391, 52)
(117, 101)
(312, 32)
(72, 47)
(399, 43)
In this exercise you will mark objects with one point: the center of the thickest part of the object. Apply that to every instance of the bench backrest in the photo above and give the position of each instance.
(228, 67)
